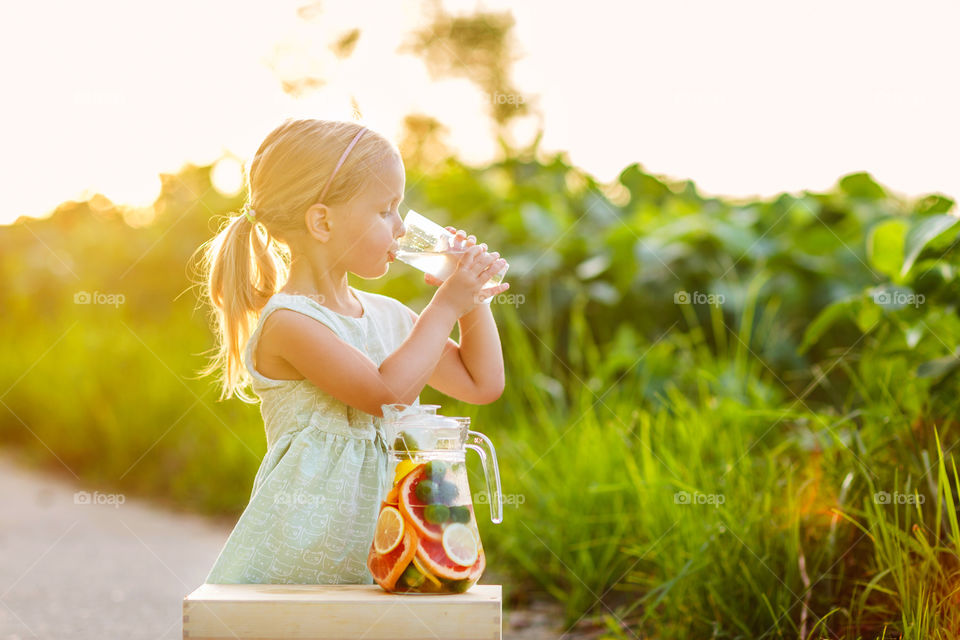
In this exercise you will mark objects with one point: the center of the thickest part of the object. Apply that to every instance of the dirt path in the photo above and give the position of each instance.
(115, 567)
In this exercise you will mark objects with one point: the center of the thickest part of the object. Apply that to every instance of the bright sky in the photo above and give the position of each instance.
(742, 97)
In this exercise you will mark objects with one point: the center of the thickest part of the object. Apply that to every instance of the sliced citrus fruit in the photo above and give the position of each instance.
(477, 569)
(431, 555)
(412, 507)
(426, 574)
(389, 530)
(393, 496)
(403, 468)
(460, 544)
(388, 567)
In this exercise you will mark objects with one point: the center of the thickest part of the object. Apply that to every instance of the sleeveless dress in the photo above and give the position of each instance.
(317, 493)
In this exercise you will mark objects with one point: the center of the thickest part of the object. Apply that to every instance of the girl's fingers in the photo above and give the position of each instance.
(492, 268)
(492, 292)
(469, 258)
(461, 239)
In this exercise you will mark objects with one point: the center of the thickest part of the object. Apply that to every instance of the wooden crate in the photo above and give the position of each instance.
(324, 612)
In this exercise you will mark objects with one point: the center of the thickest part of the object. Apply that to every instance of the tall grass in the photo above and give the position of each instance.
(713, 503)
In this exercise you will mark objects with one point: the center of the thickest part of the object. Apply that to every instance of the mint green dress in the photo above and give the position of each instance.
(317, 493)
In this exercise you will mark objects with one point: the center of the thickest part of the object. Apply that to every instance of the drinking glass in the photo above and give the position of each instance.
(429, 247)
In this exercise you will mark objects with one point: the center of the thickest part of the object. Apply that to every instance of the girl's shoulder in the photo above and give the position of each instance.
(383, 305)
(376, 307)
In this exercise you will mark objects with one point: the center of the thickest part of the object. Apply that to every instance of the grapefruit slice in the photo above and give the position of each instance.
(477, 569)
(389, 530)
(388, 567)
(412, 507)
(435, 559)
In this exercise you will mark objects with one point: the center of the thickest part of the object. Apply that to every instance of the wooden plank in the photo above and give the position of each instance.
(327, 612)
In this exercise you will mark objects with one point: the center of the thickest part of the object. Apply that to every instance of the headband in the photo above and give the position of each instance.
(343, 157)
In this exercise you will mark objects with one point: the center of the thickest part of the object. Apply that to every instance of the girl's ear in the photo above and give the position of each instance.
(318, 221)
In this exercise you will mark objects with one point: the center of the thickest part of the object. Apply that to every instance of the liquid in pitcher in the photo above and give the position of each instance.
(426, 539)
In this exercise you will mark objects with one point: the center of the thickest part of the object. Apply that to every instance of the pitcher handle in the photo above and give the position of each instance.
(475, 441)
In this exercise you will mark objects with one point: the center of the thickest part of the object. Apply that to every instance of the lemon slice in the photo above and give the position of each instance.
(429, 576)
(460, 544)
(403, 468)
(389, 530)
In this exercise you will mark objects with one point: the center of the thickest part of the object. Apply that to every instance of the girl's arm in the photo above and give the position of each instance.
(473, 370)
(347, 374)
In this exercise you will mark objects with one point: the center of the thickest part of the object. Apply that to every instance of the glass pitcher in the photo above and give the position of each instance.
(426, 539)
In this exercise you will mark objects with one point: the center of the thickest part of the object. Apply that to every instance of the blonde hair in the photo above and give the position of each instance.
(248, 261)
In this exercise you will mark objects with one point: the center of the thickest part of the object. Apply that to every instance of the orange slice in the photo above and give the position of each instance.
(392, 497)
(389, 530)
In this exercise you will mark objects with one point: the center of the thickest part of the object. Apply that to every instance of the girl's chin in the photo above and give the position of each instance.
(373, 273)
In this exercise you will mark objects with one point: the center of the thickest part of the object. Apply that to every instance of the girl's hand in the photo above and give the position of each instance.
(460, 241)
(461, 290)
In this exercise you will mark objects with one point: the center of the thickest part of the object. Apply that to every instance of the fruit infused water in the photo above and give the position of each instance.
(426, 538)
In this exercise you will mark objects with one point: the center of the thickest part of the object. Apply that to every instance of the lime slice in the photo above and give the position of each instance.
(389, 530)
(460, 544)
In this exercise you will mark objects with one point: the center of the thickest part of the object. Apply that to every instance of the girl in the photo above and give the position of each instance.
(322, 356)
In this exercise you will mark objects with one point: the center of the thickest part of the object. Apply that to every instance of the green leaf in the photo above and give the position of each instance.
(862, 185)
(921, 235)
(885, 246)
(824, 320)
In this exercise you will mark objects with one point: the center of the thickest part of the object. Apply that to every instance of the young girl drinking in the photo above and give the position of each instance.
(322, 356)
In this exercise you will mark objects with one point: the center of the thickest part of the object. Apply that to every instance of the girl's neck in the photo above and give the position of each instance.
(329, 287)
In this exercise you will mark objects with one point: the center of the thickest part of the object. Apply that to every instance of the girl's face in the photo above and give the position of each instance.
(364, 235)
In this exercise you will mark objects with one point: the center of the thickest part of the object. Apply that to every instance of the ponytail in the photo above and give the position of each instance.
(242, 267)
